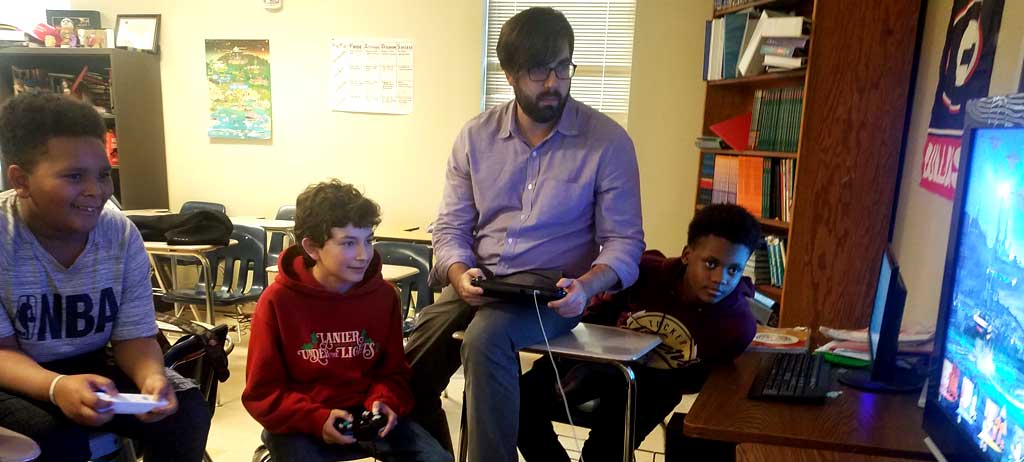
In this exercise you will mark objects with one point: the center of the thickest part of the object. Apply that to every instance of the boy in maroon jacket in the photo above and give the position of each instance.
(696, 303)
(326, 341)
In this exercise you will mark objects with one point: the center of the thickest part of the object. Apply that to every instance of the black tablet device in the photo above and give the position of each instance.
(519, 292)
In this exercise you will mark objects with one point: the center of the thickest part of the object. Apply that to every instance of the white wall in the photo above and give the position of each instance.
(397, 160)
(922, 218)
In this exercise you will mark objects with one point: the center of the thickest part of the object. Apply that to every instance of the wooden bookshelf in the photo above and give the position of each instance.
(760, 80)
(856, 99)
(769, 154)
(774, 226)
(755, 4)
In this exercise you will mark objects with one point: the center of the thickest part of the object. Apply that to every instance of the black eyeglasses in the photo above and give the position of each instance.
(564, 71)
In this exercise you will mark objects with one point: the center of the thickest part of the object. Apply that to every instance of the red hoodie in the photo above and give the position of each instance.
(312, 350)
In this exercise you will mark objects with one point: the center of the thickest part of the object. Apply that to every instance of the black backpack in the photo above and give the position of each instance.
(201, 227)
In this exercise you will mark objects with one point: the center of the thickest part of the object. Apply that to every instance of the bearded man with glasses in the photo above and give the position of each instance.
(542, 190)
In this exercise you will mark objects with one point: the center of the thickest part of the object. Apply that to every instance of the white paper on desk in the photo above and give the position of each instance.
(372, 75)
(914, 334)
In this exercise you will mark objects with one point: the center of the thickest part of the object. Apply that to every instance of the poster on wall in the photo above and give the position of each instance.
(238, 83)
(965, 71)
(372, 75)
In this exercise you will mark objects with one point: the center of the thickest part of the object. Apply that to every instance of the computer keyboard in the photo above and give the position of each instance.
(792, 377)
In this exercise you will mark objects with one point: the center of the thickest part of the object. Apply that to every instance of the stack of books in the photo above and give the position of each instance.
(776, 259)
(734, 43)
(10, 36)
(853, 344)
(764, 186)
(785, 53)
(709, 142)
(775, 119)
(96, 90)
(757, 268)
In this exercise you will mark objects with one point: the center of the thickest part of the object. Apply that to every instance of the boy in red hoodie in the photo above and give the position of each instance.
(326, 341)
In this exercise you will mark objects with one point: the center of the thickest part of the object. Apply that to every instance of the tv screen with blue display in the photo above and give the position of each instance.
(981, 384)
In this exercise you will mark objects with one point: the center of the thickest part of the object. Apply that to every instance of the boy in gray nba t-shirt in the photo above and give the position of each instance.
(74, 276)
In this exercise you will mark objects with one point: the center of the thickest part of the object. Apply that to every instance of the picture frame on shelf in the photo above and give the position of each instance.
(82, 19)
(138, 31)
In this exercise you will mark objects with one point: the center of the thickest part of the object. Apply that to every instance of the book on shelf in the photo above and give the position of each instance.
(734, 131)
(781, 339)
(709, 142)
(782, 62)
(738, 28)
(716, 46)
(771, 24)
(761, 185)
(775, 126)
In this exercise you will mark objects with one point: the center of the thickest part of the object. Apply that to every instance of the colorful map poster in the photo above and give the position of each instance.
(238, 80)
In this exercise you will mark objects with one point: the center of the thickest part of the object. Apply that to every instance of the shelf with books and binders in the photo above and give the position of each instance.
(840, 183)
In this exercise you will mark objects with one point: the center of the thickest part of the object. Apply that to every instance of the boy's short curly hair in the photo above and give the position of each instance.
(332, 204)
(28, 121)
(533, 37)
(727, 221)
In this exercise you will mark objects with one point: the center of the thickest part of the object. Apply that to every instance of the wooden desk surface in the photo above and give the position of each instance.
(857, 422)
(387, 233)
(752, 452)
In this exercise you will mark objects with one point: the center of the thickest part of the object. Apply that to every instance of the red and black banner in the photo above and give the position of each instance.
(965, 71)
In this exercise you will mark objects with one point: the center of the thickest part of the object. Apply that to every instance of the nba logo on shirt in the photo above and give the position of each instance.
(26, 316)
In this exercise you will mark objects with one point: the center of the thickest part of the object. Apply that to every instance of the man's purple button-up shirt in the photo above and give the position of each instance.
(571, 202)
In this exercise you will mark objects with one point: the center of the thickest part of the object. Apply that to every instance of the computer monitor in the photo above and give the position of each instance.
(883, 337)
(974, 406)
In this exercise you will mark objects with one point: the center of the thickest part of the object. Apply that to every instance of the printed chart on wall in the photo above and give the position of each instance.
(238, 80)
(372, 75)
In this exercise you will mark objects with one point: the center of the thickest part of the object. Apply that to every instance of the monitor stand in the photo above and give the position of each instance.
(904, 381)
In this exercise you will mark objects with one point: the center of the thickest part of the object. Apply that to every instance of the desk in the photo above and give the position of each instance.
(145, 212)
(388, 272)
(272, 226)
(750, 452)
(15, 447)
(857, 422)
(196, 251)
(418, 236)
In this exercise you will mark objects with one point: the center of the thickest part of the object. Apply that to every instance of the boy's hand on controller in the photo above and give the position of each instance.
(75, 395)
(574, 301)
(330, 434)
(380, 408)
(467, 291)
(159, 388)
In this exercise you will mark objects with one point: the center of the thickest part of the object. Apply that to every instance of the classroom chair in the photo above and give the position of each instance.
(286, 212)
(413, 255)
(234, 288)
(593, 343)
(191, 206)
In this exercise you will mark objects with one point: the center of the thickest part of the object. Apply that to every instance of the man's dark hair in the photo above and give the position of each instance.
(533, 37)
(331, 204)
(28, 121)
(727, 221)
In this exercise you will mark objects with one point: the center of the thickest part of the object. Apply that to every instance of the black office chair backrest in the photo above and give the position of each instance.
(286, 212)
(247, 255)
(414, 255)
(190, 206)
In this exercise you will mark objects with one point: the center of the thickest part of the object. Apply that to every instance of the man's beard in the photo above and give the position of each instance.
(538, 113)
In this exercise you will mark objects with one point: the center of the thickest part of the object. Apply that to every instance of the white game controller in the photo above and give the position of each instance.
(130, 403)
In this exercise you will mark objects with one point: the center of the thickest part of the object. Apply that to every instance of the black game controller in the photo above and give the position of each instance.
(518, 292)
(363, 428)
